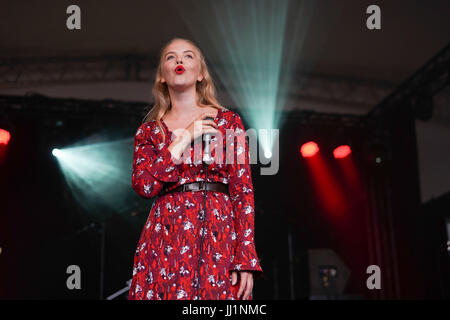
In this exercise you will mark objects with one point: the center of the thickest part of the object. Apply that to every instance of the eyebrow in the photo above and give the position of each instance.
(183, 52)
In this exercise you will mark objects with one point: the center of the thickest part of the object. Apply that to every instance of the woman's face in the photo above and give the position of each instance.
(180, 65)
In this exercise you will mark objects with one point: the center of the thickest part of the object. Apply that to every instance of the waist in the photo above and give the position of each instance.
(198, 186)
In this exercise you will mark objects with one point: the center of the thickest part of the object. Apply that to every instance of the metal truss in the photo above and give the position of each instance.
(340, 90)
(428, 80)
(24, 72)
(41, 106)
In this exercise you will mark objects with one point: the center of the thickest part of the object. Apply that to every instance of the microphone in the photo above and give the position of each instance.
(207, 159)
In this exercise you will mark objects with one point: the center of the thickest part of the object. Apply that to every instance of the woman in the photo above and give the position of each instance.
(174, 258)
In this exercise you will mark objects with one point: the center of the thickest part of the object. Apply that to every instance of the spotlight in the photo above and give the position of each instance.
(342, 152)
(56, 152)
(309, 149)
(5, 136)
(97, 173)
(244, 25)
(267, 154)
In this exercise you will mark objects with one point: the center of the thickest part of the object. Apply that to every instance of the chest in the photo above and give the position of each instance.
(178, 124)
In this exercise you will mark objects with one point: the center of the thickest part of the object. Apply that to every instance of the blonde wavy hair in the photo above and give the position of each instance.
(206, 92)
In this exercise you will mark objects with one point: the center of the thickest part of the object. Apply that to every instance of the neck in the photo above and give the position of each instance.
(184, 102)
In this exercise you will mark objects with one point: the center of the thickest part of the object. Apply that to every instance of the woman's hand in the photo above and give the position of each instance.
(200, 126)
(246, 283)
(195, 129)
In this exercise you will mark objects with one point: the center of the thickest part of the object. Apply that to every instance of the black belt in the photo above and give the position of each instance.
(198, 186)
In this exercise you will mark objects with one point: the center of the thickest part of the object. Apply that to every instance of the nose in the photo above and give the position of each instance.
(179, 61)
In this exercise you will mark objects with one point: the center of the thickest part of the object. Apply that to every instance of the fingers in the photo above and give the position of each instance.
(209, 129)
(206, 124)
(246, 285)
(200, 127)
(242, 284)
(249, 287)
(234, 277)
(210, 123)
(206, 115)
(209, 126)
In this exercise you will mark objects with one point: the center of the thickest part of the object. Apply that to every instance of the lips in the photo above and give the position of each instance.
(179, 69)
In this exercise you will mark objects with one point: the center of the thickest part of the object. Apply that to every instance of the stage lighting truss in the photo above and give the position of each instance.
(360, 94)
(426, 82)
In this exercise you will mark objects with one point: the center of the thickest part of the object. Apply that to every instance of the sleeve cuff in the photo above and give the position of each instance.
(247, 261)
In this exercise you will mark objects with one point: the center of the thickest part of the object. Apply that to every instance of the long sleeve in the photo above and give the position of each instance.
(152, 161)
(242, 197)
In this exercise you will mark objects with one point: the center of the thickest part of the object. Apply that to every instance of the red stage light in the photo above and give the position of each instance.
(342, 151)
(5, 136)
(309, 149)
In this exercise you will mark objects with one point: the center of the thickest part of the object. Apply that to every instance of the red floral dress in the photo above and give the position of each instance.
(166, 262)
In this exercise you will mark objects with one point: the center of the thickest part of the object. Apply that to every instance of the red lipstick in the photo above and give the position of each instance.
(179, 69)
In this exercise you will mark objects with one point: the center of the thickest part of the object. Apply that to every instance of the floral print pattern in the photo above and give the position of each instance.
(167, 257)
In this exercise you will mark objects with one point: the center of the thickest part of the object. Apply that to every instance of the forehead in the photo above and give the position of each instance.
(179, 46)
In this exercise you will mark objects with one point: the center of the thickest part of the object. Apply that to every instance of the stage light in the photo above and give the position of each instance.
(342, 152)
(98, 174)
(252, 60)
(267, 154)
(5, 136)
(56, 152)
(329, 191)
(309, 149)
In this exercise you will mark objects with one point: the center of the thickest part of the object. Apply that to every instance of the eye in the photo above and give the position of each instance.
(189, 56)
(170, 57)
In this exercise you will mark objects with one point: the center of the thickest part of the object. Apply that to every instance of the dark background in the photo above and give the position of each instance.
(385, 93)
